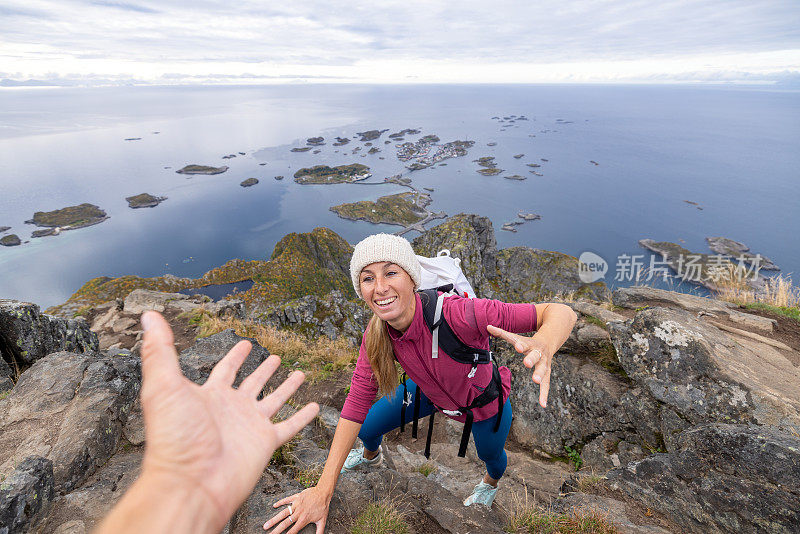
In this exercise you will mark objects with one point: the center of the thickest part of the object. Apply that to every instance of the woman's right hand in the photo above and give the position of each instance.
(308, 506)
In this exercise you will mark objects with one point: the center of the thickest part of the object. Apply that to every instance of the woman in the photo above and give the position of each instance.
(385, 274)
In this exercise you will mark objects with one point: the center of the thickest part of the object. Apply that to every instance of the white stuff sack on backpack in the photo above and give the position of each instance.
(444, 269)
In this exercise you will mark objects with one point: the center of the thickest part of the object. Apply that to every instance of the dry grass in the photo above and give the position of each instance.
(309, 476)
(780, 295)
(587, 482)
(524, 516)
(382, 517)
(318, 358)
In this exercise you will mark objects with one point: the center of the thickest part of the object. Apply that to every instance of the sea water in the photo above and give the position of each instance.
(734, 151)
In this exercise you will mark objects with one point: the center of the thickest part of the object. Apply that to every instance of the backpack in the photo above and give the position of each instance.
(444, 268)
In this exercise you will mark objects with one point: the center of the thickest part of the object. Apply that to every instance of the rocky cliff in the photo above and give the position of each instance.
(667, 412)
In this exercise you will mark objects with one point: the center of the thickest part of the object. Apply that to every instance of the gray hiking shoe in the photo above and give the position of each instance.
(356, 458)
(482, 494)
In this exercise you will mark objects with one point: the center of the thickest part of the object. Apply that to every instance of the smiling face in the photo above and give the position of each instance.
(389, 292)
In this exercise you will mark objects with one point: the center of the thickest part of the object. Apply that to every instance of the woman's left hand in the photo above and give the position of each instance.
(536, 354)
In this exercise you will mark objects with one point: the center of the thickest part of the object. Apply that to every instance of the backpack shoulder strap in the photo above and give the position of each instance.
(443, 335)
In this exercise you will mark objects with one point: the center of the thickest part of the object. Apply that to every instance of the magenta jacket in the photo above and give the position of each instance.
(443, 380)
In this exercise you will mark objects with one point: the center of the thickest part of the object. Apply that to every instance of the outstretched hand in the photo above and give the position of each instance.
(536, 355)
(213, 438)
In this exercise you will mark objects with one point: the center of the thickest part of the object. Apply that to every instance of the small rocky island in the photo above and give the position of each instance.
(323, 174)
(703, 269)
(249, 182)
(11, 240)
(69, 218)
(144, 200)
(315, 141)
(736, 250)
(201, 169)
(402, 209)
(371, 135)
(301, 149)
(4, 229)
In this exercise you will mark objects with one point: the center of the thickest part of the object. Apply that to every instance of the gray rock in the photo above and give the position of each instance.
(583, 403)
(643, 411)
(6, 375)
(721, 478)
(610, 450)
(140, 300)
(26, 334)
(198, 360)
(332, 316)
(26, 494)
(703, 374)
(640, 296)
(69, 408)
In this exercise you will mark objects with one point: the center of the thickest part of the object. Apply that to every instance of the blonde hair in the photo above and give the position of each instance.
(381, 356)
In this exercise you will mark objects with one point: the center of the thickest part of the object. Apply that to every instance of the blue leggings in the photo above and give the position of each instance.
(385, 416)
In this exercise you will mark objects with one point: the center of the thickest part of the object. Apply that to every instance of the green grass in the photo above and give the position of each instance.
(594, 320)
(574, 457)
(787, 311)
(4, 394)
(380, 518)
(426, 469)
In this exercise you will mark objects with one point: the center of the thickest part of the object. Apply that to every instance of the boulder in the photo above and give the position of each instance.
(26, 334)
(198, 360)
(140, 300)
(721, 478)
(332, 316)
(583, 403)
(704, 375)
(641, 296)
(26, 494)
(69, 408)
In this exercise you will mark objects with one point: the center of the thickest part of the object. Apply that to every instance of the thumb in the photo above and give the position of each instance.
(514, 339)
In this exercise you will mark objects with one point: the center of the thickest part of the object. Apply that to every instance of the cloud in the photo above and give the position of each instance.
(397, 40)
(125, 6)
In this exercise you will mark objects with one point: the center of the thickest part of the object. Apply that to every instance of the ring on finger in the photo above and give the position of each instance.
(290, 513)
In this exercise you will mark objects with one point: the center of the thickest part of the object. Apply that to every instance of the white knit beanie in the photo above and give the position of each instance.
(384, 247)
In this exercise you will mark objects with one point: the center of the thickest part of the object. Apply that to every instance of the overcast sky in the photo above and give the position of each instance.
(199, 41)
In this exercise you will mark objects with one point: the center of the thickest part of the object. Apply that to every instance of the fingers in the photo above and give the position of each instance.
(286, 430)
(254, 383)
(514, 339)
(533, 356)
(224, 372)
(286, 500)
(286, 523)
(544, 389)
(541, 375)
(273, 402)
(281, 516)
(321, 527)
(159, 358)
